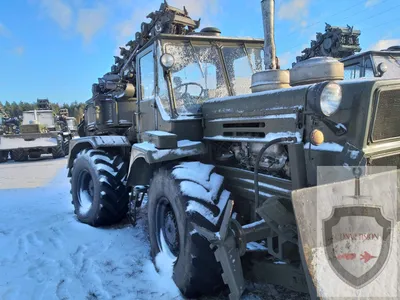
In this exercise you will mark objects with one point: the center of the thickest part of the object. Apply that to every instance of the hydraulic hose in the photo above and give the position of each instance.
(256, 166)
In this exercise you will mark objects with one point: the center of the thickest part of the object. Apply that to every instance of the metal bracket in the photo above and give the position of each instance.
(227, 253)
(135, 202)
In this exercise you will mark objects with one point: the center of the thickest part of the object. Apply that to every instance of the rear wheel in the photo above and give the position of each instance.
(66, 146)
(98, 192)
(58, 151)
(3, 156)
(19, 155)
(190, 192)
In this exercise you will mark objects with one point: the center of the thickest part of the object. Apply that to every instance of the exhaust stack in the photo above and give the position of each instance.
(272, 78)
(268, 9)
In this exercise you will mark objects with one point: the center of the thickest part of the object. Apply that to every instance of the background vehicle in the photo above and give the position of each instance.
(219, 138)
(39, 134)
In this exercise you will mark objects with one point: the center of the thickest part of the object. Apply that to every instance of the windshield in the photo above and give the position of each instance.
(198, 73)
(197, 76)
(241, 62)
(392, 62)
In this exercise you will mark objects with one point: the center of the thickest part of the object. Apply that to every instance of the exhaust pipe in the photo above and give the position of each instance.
(268, 11)
(272, 78)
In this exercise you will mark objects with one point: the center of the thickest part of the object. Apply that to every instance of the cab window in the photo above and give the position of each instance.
(369, 70)
(352, 71)
(146, 64)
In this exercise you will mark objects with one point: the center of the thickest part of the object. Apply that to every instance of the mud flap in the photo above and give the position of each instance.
(315, 208)
(226, 253)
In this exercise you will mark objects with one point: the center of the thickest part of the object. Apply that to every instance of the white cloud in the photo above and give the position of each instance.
(384, 44)
(294, 10)
(19, 50)
(287, 58)
(4, 31)
(90, 21)
(59, 11)
(370, 3)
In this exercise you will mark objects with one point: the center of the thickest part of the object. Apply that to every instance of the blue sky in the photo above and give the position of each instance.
(58, 48)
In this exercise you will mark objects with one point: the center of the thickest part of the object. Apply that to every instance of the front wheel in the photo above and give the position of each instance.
(98, 193)
(190, 192)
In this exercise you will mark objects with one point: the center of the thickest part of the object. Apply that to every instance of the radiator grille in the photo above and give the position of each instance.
(393, 160)
(387, 116)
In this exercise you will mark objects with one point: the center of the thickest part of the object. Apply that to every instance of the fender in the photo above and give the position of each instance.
(94, 142)
(145, 156)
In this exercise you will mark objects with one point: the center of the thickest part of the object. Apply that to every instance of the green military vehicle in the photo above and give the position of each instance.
(220, 139)
(39, 134)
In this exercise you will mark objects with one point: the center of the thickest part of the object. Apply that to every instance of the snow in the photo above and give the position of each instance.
(160, 153)
(158, 133)
(333, 147)
(283, 116)
(47, 254)
(194, 206)
(354, 154)
(254, 224)
(15, 143)
(268, 137)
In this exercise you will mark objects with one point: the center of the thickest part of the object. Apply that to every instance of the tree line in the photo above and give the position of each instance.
(14, 109)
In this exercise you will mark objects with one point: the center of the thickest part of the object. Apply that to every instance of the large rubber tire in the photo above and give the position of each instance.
(196, 271)
(19, 155)
(3, 156)
(98, 193)
(58, 151)
(66, 146)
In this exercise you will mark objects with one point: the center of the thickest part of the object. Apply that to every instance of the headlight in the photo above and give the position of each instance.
(167, 60)
(330, 99)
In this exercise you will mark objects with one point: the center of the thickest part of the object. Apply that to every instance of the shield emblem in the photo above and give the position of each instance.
(357, 243)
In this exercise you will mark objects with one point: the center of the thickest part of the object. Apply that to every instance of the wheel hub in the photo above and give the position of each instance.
(170, 231)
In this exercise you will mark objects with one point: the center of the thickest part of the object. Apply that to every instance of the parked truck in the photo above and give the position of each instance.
(220, 139)
(39, 134)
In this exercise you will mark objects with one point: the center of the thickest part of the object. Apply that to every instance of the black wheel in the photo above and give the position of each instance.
(58, 151)
(98, 192)
(66, 146)
(3, 156)
(178, 197)
(19, 155)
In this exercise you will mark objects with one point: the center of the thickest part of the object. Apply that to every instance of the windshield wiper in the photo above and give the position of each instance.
(197, 59)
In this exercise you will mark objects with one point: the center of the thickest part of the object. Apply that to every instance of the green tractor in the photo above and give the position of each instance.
(226, 145)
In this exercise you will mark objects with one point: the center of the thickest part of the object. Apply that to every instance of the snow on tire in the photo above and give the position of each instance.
(98, 191)
(189, 192)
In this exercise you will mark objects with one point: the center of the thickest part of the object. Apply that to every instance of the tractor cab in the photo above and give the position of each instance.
(194, 68)
(383, 64)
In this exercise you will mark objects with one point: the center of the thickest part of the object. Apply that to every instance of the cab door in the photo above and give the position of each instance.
(145, 89)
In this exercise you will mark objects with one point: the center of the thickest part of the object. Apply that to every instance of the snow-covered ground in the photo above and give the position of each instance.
(45, 253)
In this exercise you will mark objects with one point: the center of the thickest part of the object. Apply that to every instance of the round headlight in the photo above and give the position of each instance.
(167, 60)
(330, 99)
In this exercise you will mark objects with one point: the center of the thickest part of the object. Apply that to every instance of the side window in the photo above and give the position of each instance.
(369, 71)
(353, 71)
(146, 64)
